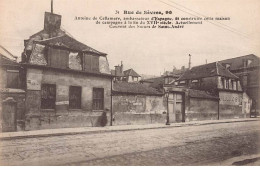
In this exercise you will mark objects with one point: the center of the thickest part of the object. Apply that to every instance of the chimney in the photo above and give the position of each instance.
(122, 67)
(51, 6)
(52, 23)
(189, 61)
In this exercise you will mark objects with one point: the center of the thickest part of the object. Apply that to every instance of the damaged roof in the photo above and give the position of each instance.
(207, 70)
(68, 42)
(131, 72)
(134, 88)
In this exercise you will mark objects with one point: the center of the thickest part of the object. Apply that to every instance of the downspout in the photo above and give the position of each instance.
(111, 104)
(218, 109)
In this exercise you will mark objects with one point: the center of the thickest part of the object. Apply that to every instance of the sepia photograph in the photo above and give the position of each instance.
(129, 83)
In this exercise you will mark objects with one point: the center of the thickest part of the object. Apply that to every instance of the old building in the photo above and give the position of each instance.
(171, 76)
(247, 68)
(12, 95)
(125, 75)
(68, 83)
(135, 103)
(219, 82)
(156, 82)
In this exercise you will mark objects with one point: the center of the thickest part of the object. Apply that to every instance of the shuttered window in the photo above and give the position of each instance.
(12, 79)
(75, 97)
(48, 96)
(91, 63)
(58, 58)
(98, 99)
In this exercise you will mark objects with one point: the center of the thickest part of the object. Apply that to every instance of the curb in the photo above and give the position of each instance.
(119, 130)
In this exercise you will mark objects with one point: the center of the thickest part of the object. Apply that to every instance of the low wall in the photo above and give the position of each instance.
(138, 109)
(76, 118)
(230, 105)
(202, 109)
(130, 119)
(230, 112)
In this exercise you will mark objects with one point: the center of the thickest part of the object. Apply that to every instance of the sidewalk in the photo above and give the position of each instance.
(91, 130)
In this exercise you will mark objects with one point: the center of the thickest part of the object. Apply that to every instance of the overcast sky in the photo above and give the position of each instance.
(148, 51)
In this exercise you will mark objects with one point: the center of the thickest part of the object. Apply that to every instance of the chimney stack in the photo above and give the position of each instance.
(122, 67)
(51, 6)
(189, 61)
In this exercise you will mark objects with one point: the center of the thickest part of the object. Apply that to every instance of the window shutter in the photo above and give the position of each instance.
(59, 58)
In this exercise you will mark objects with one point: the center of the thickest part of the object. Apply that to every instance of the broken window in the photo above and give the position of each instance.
(48, 96)
(98, 98)
(75, 97)
(12, 79)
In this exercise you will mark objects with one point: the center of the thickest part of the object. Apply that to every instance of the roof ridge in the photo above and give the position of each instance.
(49, 38)
(240, 57)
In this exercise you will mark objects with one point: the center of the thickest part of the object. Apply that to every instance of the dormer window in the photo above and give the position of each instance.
(182, 82)
(247, 62)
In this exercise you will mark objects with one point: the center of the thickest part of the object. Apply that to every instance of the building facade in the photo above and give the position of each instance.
(218, 81)
(12, 95)
(247, 68)
(68, 84)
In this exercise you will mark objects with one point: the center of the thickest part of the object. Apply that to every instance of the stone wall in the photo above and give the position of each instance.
(138, 109)
(230, 105)
(62, 116)
(202, 109)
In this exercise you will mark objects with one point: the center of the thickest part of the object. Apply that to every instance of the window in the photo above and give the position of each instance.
(12, 78)
(58, 58)
(247, 62)
(75, 97)
(227, 84)
(98, 98)
(182, 82)
(194, 81)
(48, 96)
(234, 85)
(166, 80)
(134, 78)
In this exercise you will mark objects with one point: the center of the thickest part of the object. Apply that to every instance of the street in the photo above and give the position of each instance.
(214, 144)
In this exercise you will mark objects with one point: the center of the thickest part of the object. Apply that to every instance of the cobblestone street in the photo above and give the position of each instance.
(189, 145)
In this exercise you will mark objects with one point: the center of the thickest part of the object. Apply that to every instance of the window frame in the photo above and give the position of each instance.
(54, 100)
(99, 99)
(71, 100)
(9, 84)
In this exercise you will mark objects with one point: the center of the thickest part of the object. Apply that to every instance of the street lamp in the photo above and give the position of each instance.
(167, 115)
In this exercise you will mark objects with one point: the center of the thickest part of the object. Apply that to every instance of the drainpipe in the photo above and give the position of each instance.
(218, 109)
(111, 104)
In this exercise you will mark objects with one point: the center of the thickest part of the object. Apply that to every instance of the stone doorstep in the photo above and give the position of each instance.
(93, 130)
